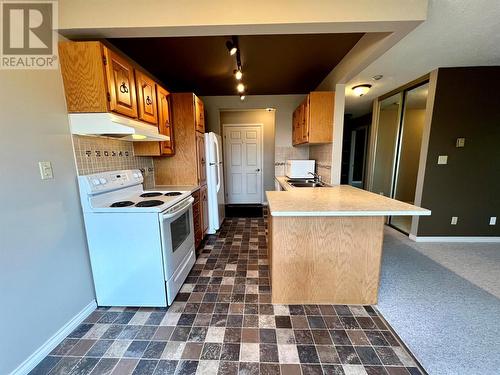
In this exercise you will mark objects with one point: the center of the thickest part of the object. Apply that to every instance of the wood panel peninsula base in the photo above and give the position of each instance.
(325, 244)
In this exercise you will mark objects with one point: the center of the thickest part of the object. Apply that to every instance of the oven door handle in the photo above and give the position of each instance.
(178, 209)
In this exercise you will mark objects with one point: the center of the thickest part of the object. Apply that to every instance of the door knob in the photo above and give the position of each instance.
(257, 170)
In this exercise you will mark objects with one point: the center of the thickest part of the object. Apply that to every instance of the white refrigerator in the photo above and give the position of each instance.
(215, 181)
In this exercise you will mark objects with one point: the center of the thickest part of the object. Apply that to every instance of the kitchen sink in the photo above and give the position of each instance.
(300, 180)
(307, 184)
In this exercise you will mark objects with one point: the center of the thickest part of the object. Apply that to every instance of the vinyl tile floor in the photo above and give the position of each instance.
(223, 322)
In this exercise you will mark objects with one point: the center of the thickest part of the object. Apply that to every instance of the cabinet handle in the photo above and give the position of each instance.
(123, 88)
(148, 101)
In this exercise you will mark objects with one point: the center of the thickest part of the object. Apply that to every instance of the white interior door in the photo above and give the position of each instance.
(243, 163)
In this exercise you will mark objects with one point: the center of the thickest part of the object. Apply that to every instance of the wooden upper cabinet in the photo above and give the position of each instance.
(199, 115)
(188, 165)
(313, 119)
(304, 125)
(200, 152)
(83, 73)
(165, 127)
(121, 84)
(146, 98)
(165, 124)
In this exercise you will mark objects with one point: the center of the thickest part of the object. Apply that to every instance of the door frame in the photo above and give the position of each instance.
(261, 126)
(431, 79)
(352, 153)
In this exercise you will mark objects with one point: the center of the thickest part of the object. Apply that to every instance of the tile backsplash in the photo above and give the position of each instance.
(323, 156)
(284, 153)
(99, 154)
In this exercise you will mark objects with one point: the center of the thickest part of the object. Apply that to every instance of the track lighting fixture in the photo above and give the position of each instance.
(232, 46)
(238, 73)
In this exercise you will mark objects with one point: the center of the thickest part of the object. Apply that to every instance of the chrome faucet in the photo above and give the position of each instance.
(316, 176)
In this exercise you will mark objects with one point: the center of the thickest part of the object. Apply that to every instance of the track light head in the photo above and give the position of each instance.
(240, 87)
(242, 97)
(231, 47)
(238, 74)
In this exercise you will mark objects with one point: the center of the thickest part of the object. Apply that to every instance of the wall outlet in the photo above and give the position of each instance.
(493, 220)
(460, 142)
(443, 159)
(454, 220)
(46, 171)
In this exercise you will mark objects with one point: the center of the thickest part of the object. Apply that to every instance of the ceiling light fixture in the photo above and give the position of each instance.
(361, 90)
(240, 87)
(232, 46)
(242, 97)
(238, 74)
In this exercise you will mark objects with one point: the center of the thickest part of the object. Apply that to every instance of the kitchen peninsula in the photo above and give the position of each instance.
(325, 244)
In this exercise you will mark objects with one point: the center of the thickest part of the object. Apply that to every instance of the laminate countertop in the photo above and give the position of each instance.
(190, 188)
(339, 200)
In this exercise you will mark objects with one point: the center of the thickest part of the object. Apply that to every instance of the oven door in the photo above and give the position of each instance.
(177, 235)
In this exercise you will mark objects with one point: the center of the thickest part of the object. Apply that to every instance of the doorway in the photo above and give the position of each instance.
(400, 125)
(243, 157)
(357, 157)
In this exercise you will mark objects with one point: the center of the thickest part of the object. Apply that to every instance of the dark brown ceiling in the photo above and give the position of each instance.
(272, 64)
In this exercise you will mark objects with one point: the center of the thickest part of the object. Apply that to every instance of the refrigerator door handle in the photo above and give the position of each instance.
(217, 153)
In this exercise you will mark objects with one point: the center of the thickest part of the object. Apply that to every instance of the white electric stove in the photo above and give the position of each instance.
(141, 243)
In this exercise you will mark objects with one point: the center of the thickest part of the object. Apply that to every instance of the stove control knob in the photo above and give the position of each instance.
(95, 182)
(103, 180)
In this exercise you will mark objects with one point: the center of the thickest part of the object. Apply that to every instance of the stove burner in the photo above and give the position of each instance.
(173, 193)
(150, 195)
(149, 203)
(122, 204)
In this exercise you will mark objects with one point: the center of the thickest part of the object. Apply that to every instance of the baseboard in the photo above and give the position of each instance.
(39, 354)
(453, 239)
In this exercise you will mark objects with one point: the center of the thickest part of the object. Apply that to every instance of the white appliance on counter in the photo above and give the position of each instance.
(215, 181)
(141, 243)
(299, 168)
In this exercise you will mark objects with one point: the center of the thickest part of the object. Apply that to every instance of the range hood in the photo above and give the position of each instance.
(111, 125)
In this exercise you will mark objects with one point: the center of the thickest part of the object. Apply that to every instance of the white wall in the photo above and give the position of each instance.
(284, 105)
(265, 118)
(45, 277)
(225, 17)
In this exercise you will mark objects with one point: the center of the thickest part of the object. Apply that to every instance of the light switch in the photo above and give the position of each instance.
(46, 172)
(454, 220)
(493, 220)
(460, 142)
(443, 159)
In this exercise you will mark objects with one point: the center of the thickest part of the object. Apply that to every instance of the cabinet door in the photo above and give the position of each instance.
(146, 98)
(121, 84)
(165, 125)
(304, 136)
(294, 127)
(200, 150)
(198, 236)
(199, 115)
(298, 125)
(204, 209)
